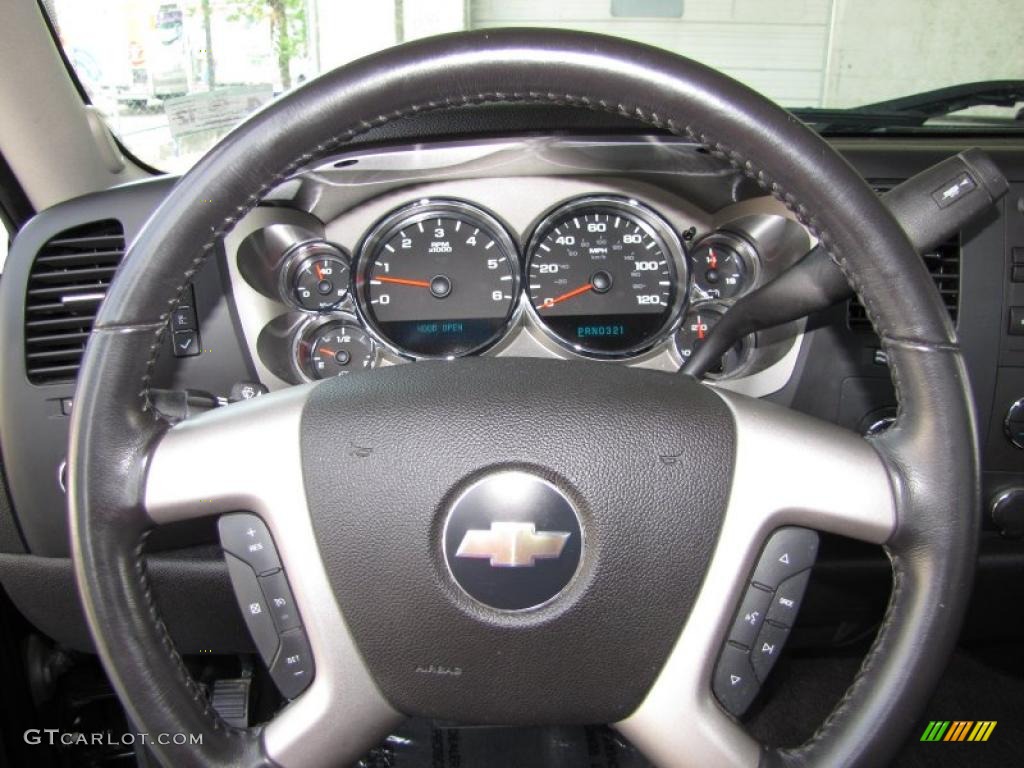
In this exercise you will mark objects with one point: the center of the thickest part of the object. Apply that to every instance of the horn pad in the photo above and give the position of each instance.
(513, 541)
(500, 458)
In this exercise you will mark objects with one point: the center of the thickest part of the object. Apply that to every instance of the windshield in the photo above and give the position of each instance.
(173, 77)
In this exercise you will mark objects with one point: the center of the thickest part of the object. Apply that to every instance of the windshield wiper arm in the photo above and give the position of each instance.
(945, 101)
(857, 119)
(914, 111)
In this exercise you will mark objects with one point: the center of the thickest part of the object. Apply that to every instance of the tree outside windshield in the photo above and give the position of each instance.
(173, 77)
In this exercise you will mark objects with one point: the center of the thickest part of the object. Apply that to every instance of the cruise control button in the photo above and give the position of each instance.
(246, 537)
(789, 551)
(254, 607)
(786, 602)
(280, 600)
(767, 649)
(734, 683)
(751, 616)
(292, 670)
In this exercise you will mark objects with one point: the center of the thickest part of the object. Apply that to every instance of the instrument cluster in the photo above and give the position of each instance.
(598, 276)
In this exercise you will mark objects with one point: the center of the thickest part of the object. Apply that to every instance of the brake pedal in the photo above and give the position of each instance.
(230, 697)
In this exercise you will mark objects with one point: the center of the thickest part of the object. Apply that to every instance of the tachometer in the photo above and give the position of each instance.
(438, 279)
(604, 276)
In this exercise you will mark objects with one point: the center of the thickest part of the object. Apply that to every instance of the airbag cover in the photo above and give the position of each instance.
(645, 458)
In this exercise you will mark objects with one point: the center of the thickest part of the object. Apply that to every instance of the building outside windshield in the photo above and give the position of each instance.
(173, 77)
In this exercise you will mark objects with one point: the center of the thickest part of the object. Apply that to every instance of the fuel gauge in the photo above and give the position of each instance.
(335, 348)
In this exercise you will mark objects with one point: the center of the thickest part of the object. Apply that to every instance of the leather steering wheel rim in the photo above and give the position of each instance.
(930, 453)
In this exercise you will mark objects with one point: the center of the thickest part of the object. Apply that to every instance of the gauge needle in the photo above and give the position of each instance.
(714, 259)
(403, 281)
(575, 292)
(319, 274)
(700, 328)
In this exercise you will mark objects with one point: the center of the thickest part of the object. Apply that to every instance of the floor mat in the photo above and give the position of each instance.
(979, 685)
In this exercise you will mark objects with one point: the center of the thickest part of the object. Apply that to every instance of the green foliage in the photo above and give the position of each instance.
(287, 27)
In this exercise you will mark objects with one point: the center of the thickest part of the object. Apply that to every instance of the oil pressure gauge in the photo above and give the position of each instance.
(316, 277)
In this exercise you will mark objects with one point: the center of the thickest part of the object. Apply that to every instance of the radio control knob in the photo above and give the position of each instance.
(1008, 512)
(1014, 423)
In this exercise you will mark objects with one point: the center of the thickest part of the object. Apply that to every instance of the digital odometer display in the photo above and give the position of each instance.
(602, 277)
(438, 279)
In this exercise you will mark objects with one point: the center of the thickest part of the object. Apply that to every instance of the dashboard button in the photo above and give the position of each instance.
(186, 343)
(751, 616)
(183, 318)
(254, 607)
(280, 601)
(247, 538)
(786, 602)
(734, 683)
(788, 551)
(1016, 321)
(292, 670)
(767, 649)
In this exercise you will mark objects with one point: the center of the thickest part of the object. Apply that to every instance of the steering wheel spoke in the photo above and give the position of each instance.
(790, 470)
(246, 456)
(793, 469)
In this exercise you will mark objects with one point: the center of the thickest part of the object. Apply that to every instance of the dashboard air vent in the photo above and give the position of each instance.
(943, 265)
(69, 278)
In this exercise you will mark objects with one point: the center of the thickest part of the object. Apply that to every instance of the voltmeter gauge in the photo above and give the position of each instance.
(723, 267)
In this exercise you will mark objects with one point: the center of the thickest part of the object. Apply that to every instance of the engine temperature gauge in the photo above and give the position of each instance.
(335, 348)
(695, 328)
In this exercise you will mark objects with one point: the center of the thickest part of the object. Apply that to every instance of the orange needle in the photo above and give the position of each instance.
(319, 274)
(714, 259)
(575, 292)
(403, 281)
(700, 328)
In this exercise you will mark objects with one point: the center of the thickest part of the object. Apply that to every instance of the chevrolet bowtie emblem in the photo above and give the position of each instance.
(512, 545)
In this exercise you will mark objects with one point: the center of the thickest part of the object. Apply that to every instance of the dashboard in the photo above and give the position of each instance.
(594, 244)
(559, 256)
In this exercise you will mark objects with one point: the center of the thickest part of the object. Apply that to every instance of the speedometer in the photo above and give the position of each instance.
(604, 275)
(438, 279)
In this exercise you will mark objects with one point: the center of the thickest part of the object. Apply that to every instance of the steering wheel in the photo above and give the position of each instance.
(672, 486)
